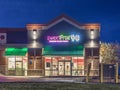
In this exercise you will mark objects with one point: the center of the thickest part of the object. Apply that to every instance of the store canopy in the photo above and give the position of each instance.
(75, 50)
(15, 51)
(74, 53)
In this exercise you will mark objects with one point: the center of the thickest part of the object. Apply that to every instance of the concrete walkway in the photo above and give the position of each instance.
(40, 79)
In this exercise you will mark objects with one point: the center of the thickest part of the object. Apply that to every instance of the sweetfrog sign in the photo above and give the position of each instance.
(64, 38)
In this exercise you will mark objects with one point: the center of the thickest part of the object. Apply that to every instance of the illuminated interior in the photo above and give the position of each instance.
(17, 61)
(64, 66)
(17, 65)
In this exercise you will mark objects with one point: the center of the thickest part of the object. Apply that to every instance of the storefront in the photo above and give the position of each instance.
(65, 48)
(17, 61)
(62, 47)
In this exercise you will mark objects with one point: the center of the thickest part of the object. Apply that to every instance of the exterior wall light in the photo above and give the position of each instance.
(92, 31)
(34, 34)
(92, 36)
(34, 31)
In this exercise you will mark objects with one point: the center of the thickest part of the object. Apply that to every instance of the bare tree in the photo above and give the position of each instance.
(109, 52)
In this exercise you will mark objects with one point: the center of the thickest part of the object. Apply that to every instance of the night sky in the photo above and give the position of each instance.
(18, 13)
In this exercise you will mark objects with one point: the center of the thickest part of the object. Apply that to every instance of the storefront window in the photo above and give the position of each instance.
(67, 58)
(74, 66)
(47, 66)
(11, 63)
(17, 65)
(25, 60)
(81, 66)
(64, 66)
(18, 58)
(55, 66)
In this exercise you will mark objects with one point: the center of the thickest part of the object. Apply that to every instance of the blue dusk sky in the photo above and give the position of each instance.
(18, 13)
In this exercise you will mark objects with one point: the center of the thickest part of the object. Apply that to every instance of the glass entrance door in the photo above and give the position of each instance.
(19, 71)
(64, 68)
(67, 68)
(61, 68)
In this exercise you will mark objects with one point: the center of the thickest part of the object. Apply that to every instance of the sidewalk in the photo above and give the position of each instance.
(40, 79)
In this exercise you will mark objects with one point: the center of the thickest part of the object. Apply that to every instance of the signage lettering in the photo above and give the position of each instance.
(64, 38)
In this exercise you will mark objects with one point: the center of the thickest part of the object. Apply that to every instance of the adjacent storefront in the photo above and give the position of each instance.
(17, 61)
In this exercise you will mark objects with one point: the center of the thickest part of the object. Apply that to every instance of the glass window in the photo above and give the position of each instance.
(74, 63)
(67, 58)
(31, 63)
(77, 66)
(18, 58)
(74, 66)
(11, 63)
(80, 63)
(47, 64)
(92, 51)
(96, 52)
(54, 63)
(80, 66)
(25, 60)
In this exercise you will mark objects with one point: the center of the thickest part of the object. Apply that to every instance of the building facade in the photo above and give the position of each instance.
(62, 47)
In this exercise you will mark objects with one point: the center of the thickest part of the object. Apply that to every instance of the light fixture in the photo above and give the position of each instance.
(92, 31)
(92, 35)
(34, 34)
(34, 31)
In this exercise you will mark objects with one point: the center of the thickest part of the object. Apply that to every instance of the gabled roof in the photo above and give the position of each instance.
(66, 18)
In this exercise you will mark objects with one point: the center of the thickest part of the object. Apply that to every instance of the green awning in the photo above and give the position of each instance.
(15, 51)
(80, 53)
(74, 50)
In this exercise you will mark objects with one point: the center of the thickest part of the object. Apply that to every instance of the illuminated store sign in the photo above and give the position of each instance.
(64, 38)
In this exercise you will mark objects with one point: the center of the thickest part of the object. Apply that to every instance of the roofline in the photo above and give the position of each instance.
(64, 16)
(87, 26)
(12, 29)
